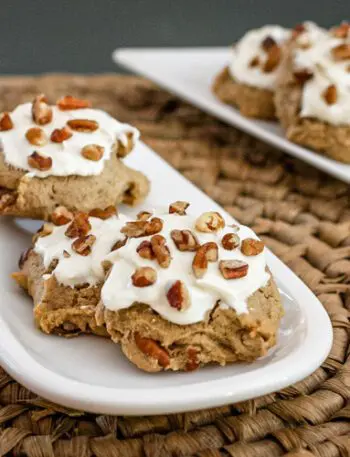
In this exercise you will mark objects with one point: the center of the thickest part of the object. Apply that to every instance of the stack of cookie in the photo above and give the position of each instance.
(301, 77)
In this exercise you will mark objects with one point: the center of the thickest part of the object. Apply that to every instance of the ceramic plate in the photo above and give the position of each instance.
(91, 374)
(189, 72)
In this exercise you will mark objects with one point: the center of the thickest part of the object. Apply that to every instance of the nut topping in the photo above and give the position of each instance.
(60, 135)
(61, 216)
(5, 122)
(144, 277)
(68, 102)
(178, 296)
(250, 247)
(274, 55)
(192, 362)
(66, 254)
(103, 213)
(143, 215)
(233, 269)
(178, 207)
(208, 252)
(230, 241)
(210, 222)
(45, 230)
(302, 76)
(298, 30)
(341, 31)
(268, 43)
(255, 62)
(83, 244)
(161, 250)
(36, 136)
(80, 226)
(341, 52)
(39, 162)
(137, 229)
(41, 111)
(83, 125)
(119, 244)
(93, 152)
(152, 349)
(184, 240)
(330, 94)
(145, 250)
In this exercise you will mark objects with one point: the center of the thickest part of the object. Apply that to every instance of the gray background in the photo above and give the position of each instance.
(78, 36)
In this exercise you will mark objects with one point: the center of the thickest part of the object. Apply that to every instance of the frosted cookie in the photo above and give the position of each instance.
(248, 82)
(65, 155)
(185, 292)
(64, 270)
(313, 95)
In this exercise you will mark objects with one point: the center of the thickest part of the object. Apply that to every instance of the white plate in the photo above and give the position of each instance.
(90, 373)
(189, 73)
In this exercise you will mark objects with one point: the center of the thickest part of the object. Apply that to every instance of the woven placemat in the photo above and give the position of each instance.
(304, 217)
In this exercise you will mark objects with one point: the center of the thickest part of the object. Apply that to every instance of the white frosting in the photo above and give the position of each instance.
(66, 156)
(118, 291)
(317, 58)
(248, 48)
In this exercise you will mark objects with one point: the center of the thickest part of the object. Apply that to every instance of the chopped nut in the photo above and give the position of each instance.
(298, 30)
(36, 136)
(192, 361)
(61, 216)
(5, 122)
(124, 149)
(145, 250)
(68, 102)
(137, 229)
(144, 277)
(274, 55)
(268, 43)
(178, 296)
(254, 62)
(45, 230)
(184, 240)
(341, 52)
(161, 250)
(208, 252)
(250, 246)
(178, 207)
(230, 241)
(152, 349)
(119, 244)
(61, 135)
(7, 198)
(330, 94)
(143, 215)
(83, 125)
(341, 31)
(41, 111)
(83, 244)
(210, 222)
(66, 254)
(103, 213)
(93, 152)
(233, 269)
(302, 76)
(39, 162)
(80, 226)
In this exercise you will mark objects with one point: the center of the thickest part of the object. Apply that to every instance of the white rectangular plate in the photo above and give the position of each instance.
(189, 73)
(90, 373)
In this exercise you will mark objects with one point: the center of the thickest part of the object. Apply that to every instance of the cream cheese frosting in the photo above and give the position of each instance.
(249, 49)
(67, 158)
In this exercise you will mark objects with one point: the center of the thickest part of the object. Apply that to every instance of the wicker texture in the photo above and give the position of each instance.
(303, 216)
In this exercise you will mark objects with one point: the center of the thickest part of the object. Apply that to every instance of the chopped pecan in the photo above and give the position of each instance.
(178, 207)
(267, 43)
(80, 226)
(83, 244)
(330, 94)
(7, 198)
(5, 122)
(143, 215)
(341, 31)
(192, 361)
(255, 62)
(302, 76)
(208, 252)
(124, 149)
(60, 135)
(161, 250)
(233, 269)
(36, 136)
(298, 30)
(178, 296)
(45, 230)
(93, 152)
(61, 216)
(68, 102)
(83, 125)
(145, 250)
(341, 52)
(39, 162)
(210, 222)
(274, 55)
(250, 246)
(152, 349)
(66, 254)
(41, 111)
(230, 241)
(137, 229)
(144, 277)
(103, 213)
(184, 240)
(119, 244)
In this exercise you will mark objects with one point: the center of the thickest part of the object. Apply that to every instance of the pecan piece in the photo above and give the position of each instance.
(341, 31)
(274, 55)
(178, 207)
(341, 52)
(39, 162)
(161, 250)
(119, 244)
(93, 152)
(36, 136)
(61, 216)
(208, 252)
(137, 229)
(254, 62)
(144, 277)
(83, 125)
(60, 135)
(45, 230)
(209, 222)
(268, 43)
(330, 94)
(192, 361)
(7, 198)
(41, 111)
(152, 349)
(233, 269)
(80, 226)
(145, 250)
(5, 122)
(103, 213)
(178, 296)
(68, 102)
(302, 76)
(184, 240)
(83, 244)
(250, 247)
(298, 30)
(143, 215)
(230, 241)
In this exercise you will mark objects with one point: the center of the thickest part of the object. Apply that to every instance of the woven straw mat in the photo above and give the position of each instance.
(303, 216)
